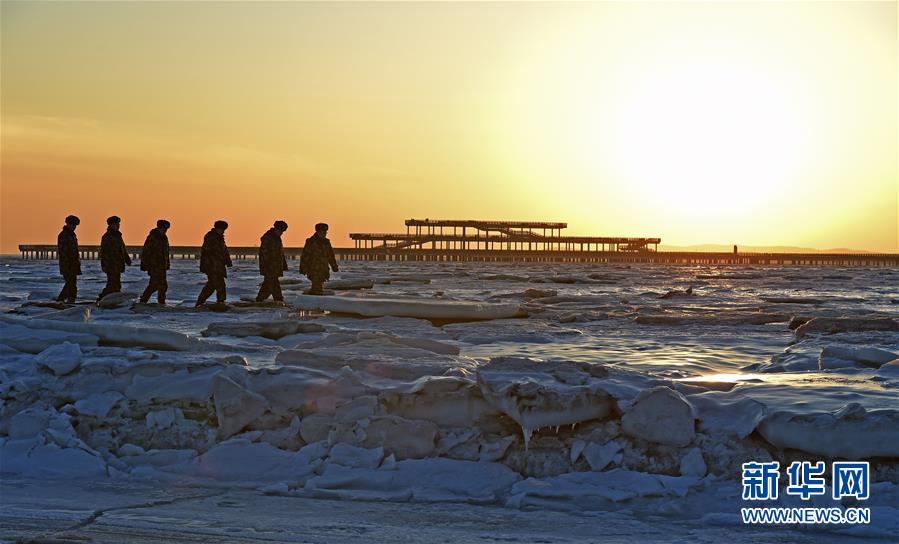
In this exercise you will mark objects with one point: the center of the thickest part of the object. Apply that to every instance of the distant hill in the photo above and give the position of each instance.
(760, 249)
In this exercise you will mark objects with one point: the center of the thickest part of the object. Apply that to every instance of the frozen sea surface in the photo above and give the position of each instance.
(626, 391)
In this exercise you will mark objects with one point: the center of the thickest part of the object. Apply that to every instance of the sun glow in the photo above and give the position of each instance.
(751, 123)
(706, 138)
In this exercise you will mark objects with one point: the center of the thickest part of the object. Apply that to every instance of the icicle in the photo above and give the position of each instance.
(527, 436)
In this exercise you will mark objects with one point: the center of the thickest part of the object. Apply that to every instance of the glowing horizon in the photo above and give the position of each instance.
(757, 124)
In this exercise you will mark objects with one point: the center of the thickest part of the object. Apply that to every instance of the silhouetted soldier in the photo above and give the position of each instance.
(113, 256)
(69, 259)
(154, 260)
(272, 262)
(317, 256)
(214, 260)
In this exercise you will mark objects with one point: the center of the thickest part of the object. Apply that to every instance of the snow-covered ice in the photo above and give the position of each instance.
(451, 383)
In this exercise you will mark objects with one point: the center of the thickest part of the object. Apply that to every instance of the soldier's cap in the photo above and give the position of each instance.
(220, 224)
(113, 220)
(73, 220)
(163, 224)
(321, 226)
(280, 225)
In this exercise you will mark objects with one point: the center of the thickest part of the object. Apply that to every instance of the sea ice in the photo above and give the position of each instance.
(831, 325)
(849, 433)
(660, 415)
(267, 329)
(60, 359)
(842, 356)
(423, 309)
(540, 394)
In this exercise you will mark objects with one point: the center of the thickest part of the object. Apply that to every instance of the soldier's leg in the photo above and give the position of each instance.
(206, 290)
(105, 290)
(221, 293)
(113, 284)
(316, 288)
(68, 289)
(64, 292)
(156, 285)
(275, 288)
(162, 289)
(264, 290)
(151, 288)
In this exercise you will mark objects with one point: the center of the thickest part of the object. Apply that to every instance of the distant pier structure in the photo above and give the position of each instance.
(471, 235)
(513, 241)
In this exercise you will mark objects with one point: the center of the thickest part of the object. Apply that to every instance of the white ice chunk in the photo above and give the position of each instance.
(843, 356)
(692, 463)
(267, 329)
(849, 433)
(115, 335)
(76, 313)
(98, 405)
(542, 394)
(32, 457)
(424, 309)
(30, 422)
(164, 418)
(660, 415)
(831, 325)
(356, 457)
(350, 284)
(718, 413)
(424, 480)
(600, 455)
(235, 406)
(117, 300)
(403, 438)
(242, 460)
(29, 340)
(577, 490)
(60, 359)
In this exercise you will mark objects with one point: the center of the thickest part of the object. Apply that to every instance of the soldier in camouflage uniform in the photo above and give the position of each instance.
(69, 259)
(113, 256)
(317, 256)
(155, 260)
(272, 262)
(214, 260)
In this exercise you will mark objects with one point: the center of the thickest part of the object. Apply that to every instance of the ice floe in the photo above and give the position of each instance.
(423, 309)
(849, 433)
(267, 329)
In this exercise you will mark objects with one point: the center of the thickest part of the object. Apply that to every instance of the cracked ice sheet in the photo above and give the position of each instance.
(147, 512)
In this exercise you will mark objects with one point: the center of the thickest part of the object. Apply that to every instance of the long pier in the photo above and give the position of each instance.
(512, 241)
(48, 251)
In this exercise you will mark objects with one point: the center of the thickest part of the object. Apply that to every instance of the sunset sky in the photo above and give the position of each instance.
(769, 123)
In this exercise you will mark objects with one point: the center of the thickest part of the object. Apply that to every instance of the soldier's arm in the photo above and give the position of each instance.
(303, 257)
(227, 255)
(331, 258)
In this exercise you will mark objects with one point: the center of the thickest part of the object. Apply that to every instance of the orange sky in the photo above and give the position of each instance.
(750, 123)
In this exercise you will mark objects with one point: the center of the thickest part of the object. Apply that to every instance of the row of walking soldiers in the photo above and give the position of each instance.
(316, 262)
